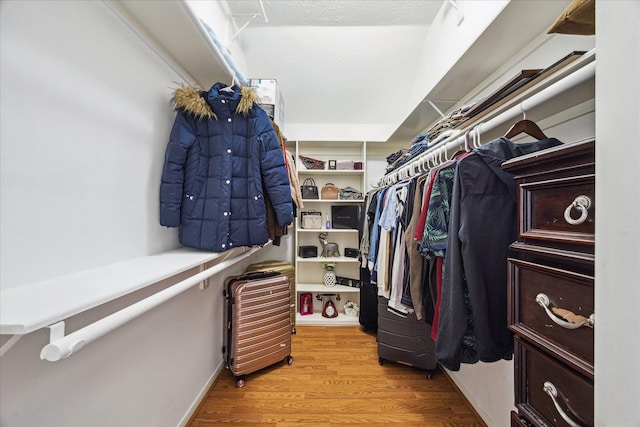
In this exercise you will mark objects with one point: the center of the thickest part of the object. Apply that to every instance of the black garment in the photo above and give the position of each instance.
(483, 224)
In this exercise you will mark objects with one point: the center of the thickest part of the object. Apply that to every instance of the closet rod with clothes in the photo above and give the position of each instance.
(437, 154)
(440, 234)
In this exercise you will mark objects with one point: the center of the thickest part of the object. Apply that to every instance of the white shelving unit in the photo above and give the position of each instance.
(310, 271)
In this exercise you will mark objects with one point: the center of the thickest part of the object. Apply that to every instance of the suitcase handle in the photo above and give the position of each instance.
(257, 275)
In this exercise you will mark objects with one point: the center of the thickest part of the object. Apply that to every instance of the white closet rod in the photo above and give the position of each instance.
(581, 75)
(61, 346)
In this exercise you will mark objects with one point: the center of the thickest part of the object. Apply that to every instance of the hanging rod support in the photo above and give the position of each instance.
(264, 14)
(436, 108)
(240, 30)
(456, 6)
(264, 17)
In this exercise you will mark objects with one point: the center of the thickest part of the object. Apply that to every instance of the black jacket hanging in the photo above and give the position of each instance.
(483, 223)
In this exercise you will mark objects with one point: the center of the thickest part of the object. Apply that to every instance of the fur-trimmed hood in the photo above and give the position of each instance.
(199, 103)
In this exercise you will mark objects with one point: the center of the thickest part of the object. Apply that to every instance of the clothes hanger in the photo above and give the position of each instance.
(466, 140)
(423, 165)
(475, 133)
(230, 87)
(525, 126)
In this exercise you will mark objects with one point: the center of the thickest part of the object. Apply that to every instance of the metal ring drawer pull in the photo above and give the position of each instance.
(581, 203)
(551, 390)
(543, 301)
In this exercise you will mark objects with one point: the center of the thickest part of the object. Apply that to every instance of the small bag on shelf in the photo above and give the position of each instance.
(307, 251)
(329, 192)
(309, 189)
(311, 219)
(350, 193)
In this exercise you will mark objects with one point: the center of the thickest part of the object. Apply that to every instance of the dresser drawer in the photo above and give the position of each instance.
(529, 282)
(560, 210)
(538, 376)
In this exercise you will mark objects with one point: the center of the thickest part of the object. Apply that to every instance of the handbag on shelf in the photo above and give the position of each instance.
(311, 219)
(311, 163)
(329, 192)
(309, 189)
(350, 193)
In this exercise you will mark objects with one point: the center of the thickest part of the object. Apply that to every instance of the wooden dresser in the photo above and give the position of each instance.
(551, 286)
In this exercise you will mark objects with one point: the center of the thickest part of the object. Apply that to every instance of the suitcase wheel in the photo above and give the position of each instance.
(380, 361)
(240, 382)
(290, 360)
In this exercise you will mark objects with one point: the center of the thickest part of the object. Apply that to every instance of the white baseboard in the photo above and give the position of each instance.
(203, 393)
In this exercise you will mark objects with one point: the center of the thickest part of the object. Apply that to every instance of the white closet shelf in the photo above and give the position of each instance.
(332, 201)
(25, 309)
(331, 171)
(318, 320)
(327, 259)
(332, 230)
(322, 289)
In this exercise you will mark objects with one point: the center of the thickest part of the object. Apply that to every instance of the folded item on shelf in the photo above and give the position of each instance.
(311, 163)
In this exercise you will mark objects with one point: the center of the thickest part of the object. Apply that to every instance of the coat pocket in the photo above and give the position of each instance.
(192, 198)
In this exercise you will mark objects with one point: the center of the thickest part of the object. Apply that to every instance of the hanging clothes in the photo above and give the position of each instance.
(398, 301)
(415, 259)
(433, 243)
(387, 222)
(223, 155)
(483, 223)
(375, 236)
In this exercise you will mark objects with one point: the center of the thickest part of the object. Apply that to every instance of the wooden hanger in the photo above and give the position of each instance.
(525, 126)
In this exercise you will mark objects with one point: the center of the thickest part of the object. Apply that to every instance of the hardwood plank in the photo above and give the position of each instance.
(336, 380)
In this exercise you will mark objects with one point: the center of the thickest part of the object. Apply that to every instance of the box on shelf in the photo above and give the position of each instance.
(307, 251)
(345, 216)
(345, 165)
(271, 99)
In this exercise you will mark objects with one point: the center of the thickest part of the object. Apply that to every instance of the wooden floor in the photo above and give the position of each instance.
(335, 380)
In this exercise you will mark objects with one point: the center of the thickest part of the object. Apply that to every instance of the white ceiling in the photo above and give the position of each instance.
(335, 12)
(338, 63)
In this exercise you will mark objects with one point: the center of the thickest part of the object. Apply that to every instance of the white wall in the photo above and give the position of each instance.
(85, 121)
(617, 285)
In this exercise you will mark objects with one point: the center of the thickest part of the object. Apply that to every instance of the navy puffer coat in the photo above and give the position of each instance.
(223, 153)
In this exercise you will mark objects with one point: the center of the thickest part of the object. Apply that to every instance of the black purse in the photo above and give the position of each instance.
(309, 189)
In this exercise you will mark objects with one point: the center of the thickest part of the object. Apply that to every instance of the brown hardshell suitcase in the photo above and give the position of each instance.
(289, 270)
(257, 322)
